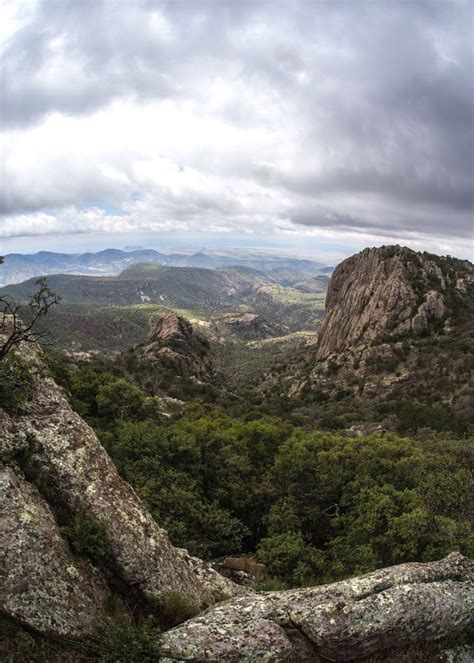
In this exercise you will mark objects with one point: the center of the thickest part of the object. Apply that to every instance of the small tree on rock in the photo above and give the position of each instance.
(18, 323)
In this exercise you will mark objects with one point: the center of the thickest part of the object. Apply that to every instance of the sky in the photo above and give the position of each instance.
(310, 126)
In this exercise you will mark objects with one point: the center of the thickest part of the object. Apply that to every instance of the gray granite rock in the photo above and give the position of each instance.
(43, 584)
(393, 607)
(68, 466)
(376, 293)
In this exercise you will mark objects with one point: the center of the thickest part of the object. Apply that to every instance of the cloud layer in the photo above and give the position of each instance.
(264, 117)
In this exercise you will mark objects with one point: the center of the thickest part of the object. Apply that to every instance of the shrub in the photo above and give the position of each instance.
(175, 608)
(88, 538)
(287, 556)
(15, 383)
(125, 640)
(270, 585)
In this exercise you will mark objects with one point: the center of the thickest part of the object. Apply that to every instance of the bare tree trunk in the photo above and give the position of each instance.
(390, 608)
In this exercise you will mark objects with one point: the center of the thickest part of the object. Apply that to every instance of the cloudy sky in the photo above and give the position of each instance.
(301, 124)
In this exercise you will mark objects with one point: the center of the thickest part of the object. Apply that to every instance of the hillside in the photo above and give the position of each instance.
(398, 324)
(20, 267)
(110, 314)
(87, 567)
(181, 287)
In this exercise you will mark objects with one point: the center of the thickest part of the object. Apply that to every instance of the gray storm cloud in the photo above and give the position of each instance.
(354, 116)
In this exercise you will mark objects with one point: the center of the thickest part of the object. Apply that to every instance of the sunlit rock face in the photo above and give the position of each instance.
(387, 292)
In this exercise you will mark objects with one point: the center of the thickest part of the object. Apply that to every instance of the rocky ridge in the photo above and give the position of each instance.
(385, 308)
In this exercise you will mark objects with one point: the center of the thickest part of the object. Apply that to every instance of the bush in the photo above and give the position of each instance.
(88, 538)
(269, 585)
(287, 556)
(175, 608)
(125, 640)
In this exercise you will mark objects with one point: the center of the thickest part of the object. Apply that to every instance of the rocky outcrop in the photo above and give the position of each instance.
(54, 465)
(247, 325)
(387, 292)
(352, 619)
(174, 345)
(44, 585)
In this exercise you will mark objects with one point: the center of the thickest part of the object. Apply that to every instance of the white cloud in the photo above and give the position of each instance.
(266, 118)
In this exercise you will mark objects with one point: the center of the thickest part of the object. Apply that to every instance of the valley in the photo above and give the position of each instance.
(323, 434)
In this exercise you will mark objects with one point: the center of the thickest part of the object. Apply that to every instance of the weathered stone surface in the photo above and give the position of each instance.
(432, 308)
(247, 325)
(10, 442)
(377, 293)
(70, 466)
(173, 344)
(43, 584)
(394, 607)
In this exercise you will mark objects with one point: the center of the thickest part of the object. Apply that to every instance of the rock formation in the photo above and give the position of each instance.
(387, 292)
(174, 345)
(53, 466)
(395, 320)
(352, 619)
(44, 584)
(247, 325)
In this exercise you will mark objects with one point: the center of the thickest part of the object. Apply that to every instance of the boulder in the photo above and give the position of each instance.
(390, 608)
(43, 584)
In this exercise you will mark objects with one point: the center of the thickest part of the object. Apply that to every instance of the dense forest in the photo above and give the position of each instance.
(314, 505)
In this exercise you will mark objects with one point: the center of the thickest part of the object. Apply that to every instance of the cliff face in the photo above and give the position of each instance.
(388, 292)
(174, 345)
(52, 468)
(393, 346)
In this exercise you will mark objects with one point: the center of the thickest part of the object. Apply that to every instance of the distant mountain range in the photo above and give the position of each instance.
(20, 267)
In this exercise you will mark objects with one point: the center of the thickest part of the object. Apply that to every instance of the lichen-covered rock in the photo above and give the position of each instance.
(70, 467)
(391, 608)
(43, 584)
(10, 442)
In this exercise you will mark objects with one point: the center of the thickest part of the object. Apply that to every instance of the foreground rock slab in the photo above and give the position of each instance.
(391, 608)
(42, 583)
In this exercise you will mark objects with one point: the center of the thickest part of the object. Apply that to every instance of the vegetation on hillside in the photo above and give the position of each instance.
(242, 468)
(314, 505)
